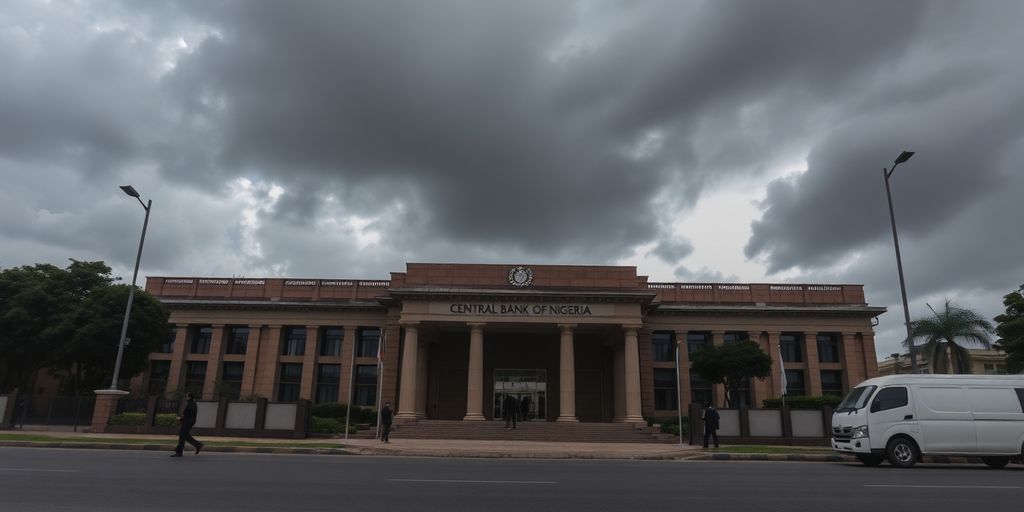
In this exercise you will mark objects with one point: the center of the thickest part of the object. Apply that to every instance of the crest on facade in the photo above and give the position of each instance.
(520, 276)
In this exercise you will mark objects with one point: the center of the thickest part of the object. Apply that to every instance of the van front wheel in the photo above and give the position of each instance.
(996, 462)
(901, 452)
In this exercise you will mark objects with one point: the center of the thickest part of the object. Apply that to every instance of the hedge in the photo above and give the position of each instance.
(804, 402)
(337, 411)
(331, 426)
(166, 420)
(127, 419)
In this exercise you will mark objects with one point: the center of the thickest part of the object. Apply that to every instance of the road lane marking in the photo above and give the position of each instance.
(541, 482)
(43, 470)
(950, 486)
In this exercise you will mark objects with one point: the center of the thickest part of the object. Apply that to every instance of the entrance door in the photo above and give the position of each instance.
(527, 386)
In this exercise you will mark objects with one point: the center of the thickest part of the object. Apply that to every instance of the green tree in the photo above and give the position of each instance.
(1010, 328)
(60, 319)
(732, 364)
(941, 333)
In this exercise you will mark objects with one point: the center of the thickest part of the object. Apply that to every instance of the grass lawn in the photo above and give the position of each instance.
(40, 438)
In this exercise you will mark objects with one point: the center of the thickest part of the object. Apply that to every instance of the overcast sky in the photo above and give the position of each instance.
(717, 141)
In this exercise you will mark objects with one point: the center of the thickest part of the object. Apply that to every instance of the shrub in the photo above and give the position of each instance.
(670, 425)
(327, 425)
(166, 420)
(804, 402)
(337, 411)
(127, 419)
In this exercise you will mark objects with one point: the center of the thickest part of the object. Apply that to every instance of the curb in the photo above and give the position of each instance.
(170, 447)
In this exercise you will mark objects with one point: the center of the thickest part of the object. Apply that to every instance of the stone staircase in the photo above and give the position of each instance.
(531, 431)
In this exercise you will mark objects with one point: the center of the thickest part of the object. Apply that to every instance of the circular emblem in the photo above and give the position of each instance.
(520, 277)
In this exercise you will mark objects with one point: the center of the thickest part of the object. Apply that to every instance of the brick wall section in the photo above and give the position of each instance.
(267, 367)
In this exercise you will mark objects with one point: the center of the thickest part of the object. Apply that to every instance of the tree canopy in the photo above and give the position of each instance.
(944, 332)
(1010, 328)
(69, 322)
(732, 364)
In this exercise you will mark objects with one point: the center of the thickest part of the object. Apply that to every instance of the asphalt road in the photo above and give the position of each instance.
(34, 479)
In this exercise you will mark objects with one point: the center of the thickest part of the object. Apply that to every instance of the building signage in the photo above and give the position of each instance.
(521, 309)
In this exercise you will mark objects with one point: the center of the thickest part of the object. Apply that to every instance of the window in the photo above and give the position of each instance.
(328, 380)
(828, 348)
(795, 383)
(366, 385)
(294, 341)
(789, 344)
(167, 346)
(231, 380)
(369, 339)
(700, 389)
(665, 389)
(696, 341)
(889, 398)
(238, 340)
(201, 340)
(158, 373)
(288, 384)
(195, 377)
(331, 344)
(832, 382)
(734, 336)
(662, 343)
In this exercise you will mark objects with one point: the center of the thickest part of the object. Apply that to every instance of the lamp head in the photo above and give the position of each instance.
(130, 190)
(904, 156)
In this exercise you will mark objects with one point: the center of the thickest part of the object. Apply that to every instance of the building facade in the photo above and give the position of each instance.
(449, 341)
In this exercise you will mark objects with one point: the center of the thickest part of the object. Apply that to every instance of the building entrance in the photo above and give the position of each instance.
(528, 386)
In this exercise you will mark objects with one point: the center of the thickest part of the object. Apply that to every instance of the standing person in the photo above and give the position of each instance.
(510, 409)
(385, 423)
(524, 408)
(710, 418)
(187, 421)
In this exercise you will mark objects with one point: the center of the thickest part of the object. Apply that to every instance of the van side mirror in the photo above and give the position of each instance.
(876, 405)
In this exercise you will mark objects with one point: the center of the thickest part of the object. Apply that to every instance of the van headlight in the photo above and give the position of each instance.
(860, 432)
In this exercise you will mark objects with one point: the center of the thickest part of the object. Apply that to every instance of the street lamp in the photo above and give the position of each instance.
(904, 156)
(128, 189)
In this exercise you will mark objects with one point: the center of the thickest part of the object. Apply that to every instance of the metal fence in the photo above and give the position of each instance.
(73, 411)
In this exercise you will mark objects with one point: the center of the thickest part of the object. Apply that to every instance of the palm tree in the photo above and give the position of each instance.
(941, 332)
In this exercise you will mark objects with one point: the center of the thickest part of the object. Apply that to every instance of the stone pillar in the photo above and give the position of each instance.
(177, 358)
(309, 362)
(718, 390)
(213, 362)
(685, 390)
(422, 383)
(475, 383)
(567, 376)
(773, 345)
(853, 361)
(410, 363)
(106, 406)
(870, 358)
(268, 365)
(619, 382)
(252, 358)
(632, 373)
(348, 343)
(813, 365)
(761, 389)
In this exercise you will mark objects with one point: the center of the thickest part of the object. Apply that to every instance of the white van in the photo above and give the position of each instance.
(902, 417)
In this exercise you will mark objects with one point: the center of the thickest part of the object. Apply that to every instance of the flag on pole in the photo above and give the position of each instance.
(782, 372)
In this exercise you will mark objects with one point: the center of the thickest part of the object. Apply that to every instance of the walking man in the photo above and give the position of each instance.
(187, 421)
(385, 423)
(710, 418)
(510, 409)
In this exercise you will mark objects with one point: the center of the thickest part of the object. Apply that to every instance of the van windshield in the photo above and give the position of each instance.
(856, 399)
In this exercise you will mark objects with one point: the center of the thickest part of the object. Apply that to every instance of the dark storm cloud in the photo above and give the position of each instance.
(671, 251)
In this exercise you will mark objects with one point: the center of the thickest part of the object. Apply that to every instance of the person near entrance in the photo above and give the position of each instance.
(385, 423)
(510, 409)
(187, 421)
(524, 408)
(710, 418)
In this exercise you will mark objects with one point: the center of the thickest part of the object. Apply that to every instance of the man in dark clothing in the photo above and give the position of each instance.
(524, 408)
(187, 421)
(385, 423)
(510, 409)
(710, 417)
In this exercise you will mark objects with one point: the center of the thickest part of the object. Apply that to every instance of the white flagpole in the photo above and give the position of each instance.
(782, 376)
(679, 397)
(380, 373)
(351, 381)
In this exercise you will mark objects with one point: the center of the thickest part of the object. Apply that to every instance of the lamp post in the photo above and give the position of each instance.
(886, 173)
(128, 189)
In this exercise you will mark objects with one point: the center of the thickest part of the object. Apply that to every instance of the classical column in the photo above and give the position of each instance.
(252, 357)
(410, 363)
(813, 365)
(718, 393)
(773, 345)
(632, 373)
(619, 383)
(761, 389)
(177, 358)
(852, 358)
(870, 358)
(475, 382)
(421, 376)
(348, 343)
(309, 354)
(269, 363)
(685, 388)
(213, 362)
(567, 376)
